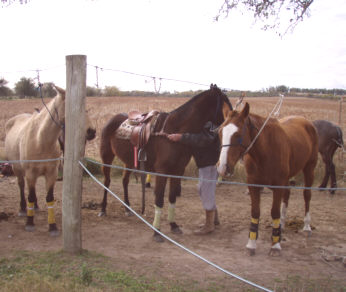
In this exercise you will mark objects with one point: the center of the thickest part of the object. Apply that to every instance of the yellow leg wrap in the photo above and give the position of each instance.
(157, 217)
(254, 221)
(171, 213)
(275, 239)
(51, 216)
(30, 210)
(252, 235)
(276, 223)
(148, 178)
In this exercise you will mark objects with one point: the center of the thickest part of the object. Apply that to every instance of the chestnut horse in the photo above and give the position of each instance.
(329, 139)
(163, 156)
(35, 137)
(272, 154)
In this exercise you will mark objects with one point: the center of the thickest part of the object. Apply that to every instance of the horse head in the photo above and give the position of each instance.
(221, 102)
(235, 138)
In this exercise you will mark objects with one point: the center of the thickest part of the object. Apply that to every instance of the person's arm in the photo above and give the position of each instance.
(196, 140)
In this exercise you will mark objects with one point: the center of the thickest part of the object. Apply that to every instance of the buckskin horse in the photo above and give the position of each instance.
(163, 156)
(329, 139)
(35, 137)
(272, 154)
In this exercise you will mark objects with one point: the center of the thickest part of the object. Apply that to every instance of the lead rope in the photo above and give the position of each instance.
(275, 112)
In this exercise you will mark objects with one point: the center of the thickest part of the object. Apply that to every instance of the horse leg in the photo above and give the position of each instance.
(276, 231)
(174, 192)
(107, 180)
(286, 196)
(255, 214)
(160, 185)
(332, 171)
(126, 179)
(308, 180)
(21, 184)
(326, 161)
(31, 204)
(50, 183)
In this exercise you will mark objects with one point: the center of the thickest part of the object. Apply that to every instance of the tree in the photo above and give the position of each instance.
(271, 12)
(48, 90)
(25, 87)
(4, 90)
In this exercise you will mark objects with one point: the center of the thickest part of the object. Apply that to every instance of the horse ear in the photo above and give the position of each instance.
(245, 112)
(225, 110)
(59, 91)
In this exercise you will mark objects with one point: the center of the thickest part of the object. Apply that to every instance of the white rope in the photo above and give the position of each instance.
(28, 161)
(171, 240)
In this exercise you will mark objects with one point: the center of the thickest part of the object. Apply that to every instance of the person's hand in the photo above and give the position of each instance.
(174, 137)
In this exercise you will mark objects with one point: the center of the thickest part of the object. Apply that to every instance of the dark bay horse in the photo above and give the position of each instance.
(35, 137)
(329, 139)
(163, 156)
(272, 154)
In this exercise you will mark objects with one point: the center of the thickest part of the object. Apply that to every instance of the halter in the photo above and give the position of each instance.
(240, 139)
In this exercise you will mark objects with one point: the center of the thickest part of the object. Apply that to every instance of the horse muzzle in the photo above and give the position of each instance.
(224, 169)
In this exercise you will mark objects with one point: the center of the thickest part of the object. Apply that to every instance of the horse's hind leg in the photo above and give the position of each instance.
(308, 179)
(326, 160)
(174, 192)
(107, 158)
(126, 179)
(332, 171)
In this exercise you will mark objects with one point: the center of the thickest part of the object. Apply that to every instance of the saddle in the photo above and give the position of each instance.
(143, 125)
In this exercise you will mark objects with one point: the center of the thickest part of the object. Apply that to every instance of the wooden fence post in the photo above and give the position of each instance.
(74, 152)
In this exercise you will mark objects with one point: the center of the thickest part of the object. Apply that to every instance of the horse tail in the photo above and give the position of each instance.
(339, 139)
(108, 131)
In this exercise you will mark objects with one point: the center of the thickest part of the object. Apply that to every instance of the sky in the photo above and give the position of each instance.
(171, 39)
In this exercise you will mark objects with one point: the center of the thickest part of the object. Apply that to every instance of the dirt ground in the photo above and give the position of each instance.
(129, 241)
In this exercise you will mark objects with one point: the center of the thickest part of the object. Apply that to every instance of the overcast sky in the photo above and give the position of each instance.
(171, 39)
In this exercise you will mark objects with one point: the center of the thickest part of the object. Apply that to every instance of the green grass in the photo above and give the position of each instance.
(57, 271)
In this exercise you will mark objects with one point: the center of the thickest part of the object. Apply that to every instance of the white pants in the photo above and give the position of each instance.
(206, 189)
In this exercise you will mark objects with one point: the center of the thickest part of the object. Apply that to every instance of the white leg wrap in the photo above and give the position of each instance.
(307, 220)
(277, 246)
(251, 244)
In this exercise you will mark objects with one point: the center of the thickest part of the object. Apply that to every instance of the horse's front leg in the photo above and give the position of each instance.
(50, 182)
(21, 184)
(255, 214)
(160, 185)
(174, 192)
(276, 231)
(30, 226)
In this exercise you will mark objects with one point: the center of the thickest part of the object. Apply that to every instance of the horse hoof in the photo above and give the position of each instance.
(275, 252)
(252, 251)
(175, 228)
(158, 238)
(128, 213)
(54, 233)
(30, 228)
(22, 213)
(101, 214)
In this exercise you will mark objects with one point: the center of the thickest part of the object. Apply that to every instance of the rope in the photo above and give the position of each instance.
(276, 109)
(209, 180)
(171, 240)
(28, 161)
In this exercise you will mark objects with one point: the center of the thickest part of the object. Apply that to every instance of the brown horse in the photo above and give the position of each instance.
(163, 156)
(272, 154)
(35, 137)
(329, 139)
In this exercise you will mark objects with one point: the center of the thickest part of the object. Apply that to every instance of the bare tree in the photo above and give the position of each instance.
(273, 13)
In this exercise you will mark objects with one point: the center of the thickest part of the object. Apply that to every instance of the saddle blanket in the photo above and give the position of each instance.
(125, 130)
